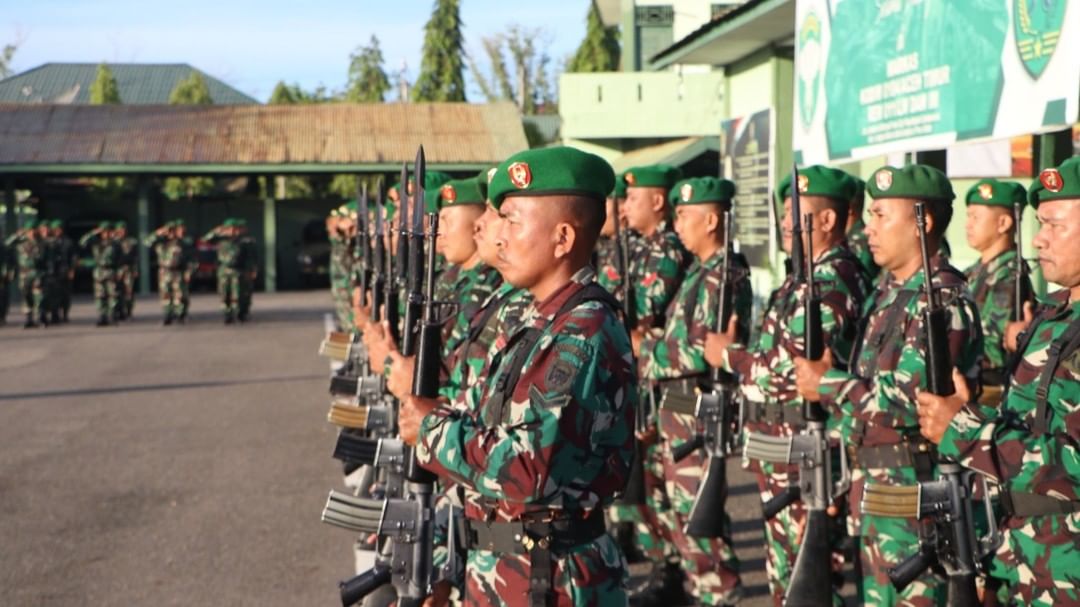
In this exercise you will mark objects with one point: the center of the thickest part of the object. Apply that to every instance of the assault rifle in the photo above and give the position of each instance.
(1022, 286)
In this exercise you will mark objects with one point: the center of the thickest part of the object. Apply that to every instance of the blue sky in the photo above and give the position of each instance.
(253, 44)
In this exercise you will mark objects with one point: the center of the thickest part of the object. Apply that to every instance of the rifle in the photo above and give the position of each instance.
(405, 522)
(950, 538)
(717, 412)
(1022, 286)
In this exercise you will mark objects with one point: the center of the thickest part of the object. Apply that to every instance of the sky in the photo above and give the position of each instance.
(251, 45)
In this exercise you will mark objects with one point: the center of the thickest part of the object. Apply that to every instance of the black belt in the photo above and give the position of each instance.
(918, 454)
(774, 413)
(538, 536)
(1019, 503)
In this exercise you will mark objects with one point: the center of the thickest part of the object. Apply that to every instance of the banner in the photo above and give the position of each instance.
(746, 158)
(909, 75)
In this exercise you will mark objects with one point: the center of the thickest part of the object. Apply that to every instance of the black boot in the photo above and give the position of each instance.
(168, 319)
(229, 318)
(103, 321)
(55, 318)
(30, 324)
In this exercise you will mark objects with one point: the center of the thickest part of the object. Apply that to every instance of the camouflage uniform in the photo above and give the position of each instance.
(230, 265)
(66, 261)
(171, 268)
(875, 403)
(247, 276)
(677, 352)
(1029, 451)
(767, 374)
(469, 290)
(126, 272)
(341, 262)
(563, 443)
(994, 289)
(860, 246)
(30, 255)
(106, 253)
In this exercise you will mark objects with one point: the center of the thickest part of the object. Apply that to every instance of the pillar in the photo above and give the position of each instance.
(143, 228)
(269, 245)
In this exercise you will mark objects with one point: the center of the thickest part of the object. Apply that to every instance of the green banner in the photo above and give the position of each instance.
(906, 75)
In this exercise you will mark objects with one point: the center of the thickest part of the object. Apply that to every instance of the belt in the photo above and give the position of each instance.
(774, 413)
(1019, 503)
(919, 454)
(538, 536)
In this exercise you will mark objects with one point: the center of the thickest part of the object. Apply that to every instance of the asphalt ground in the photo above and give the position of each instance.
(188, 465)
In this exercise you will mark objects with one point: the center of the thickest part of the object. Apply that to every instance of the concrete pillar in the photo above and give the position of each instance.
(143, 228)
(269, 244)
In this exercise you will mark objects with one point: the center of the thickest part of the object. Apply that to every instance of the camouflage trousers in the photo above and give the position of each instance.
(1039, 562)
(125, 280)
(228, 286)
(247, 287)
(710, 563)
(651, 520)
(342, 295)
(106, 292)
(172, 291)
(32, 287)
(885, 542)
(590, 575)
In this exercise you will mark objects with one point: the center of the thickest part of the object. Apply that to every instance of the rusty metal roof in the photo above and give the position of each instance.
(178, 139)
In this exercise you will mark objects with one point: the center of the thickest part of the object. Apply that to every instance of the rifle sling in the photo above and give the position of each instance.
(917, 453)
(1022, 504)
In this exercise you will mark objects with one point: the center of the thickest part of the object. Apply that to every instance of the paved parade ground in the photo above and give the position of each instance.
(187, 465)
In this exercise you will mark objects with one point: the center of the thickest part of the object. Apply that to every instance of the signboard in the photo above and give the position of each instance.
(908, 75)
(746, 156)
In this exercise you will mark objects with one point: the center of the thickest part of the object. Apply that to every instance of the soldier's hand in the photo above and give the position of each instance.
(937, 412)
(400, 381)
(649, 437)
(1014, 329)
(361, 307)
(716, 343)
(373, 340)
(636, 336)
(808, 374)
(440, 595)
(413, 411)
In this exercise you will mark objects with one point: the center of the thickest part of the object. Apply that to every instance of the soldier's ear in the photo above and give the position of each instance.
(1005, 223)
(565, 238)
(658, 202)
(827, 220)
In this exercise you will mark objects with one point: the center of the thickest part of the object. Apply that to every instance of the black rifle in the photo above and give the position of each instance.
(717, 412)
(1022, 290)
(622, 266)
(407, 522)
(950, 538)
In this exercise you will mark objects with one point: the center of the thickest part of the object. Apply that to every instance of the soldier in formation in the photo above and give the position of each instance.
(176, 261)
(237, 267)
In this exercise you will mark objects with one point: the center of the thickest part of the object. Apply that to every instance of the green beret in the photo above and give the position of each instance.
(231, 223)
(822, 181)
(431, 201)
(352, 206)
(391, 209)
(29, 224)
(56, 223)
(105, 225)
(915, 181)
(702, 190)
(459, 192)
(994, 193)
(860, 189)
(178, 223)
(1056, 183)
(482, 180)
(552, 171)
(620, 187)
(653, 176)
(120, 225)
(434, 179)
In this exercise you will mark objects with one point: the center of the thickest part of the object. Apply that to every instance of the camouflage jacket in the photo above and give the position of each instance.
(65, 255)
(1003, 444)
(859, 245)
(470, 289)
(230, 252)
(994, 288)
(340, 258)
(657, 264)
(678, 350)
(876, 399)
(564, 438)
(129, 252)
(106, 252)
(607, 268)
(767, 370)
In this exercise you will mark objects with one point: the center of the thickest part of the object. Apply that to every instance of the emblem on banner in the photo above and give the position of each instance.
(1037, 28)
(809, 66)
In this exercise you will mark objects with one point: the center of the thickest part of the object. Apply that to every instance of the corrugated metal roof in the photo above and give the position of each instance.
(220, 137)
(139, 83)
(675, 152)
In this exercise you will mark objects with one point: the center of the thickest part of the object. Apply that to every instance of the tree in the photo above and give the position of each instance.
(529, 86)
(191, 91)
(104, 90)
(5, 59)
(599, 51)
(441, 66)
(368, 82)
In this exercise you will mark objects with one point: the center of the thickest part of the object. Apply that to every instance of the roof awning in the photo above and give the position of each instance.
(735, 35)
(674, 153)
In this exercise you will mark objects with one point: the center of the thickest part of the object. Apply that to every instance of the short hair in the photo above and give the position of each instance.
(941, 211)
(840, 207)
(588, 214)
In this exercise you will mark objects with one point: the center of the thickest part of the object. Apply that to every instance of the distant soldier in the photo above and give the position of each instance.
(341, 229)
(66, 259)
(189, 263)
(991, 230)
(127, 270)
(107, 254)
(31, 256)
(169, 250)
(856, 230)
(230, 266)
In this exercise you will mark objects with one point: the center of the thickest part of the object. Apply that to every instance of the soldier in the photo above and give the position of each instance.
(189, 263)
(607, 271)
(106, 253)
(991, 230)
(856, 230)
(7, 276)
(50, 274)
(230, 265)
(771, 403)
(1029, 443)
(30, 254)
(551, 441)
(673, 359)
(875, 399)
(249, 270)
(169, 250)
(66, 260)
(127, 271)
(341, 228)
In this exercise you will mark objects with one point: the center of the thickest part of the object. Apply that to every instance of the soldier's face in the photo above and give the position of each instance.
(697, 226)
(1058, 241)
(486, 231)
(642, 207)
(891, 232)
(526, 240)
(608, 229)
(456, 224)
(985, 225)
(816, 206)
